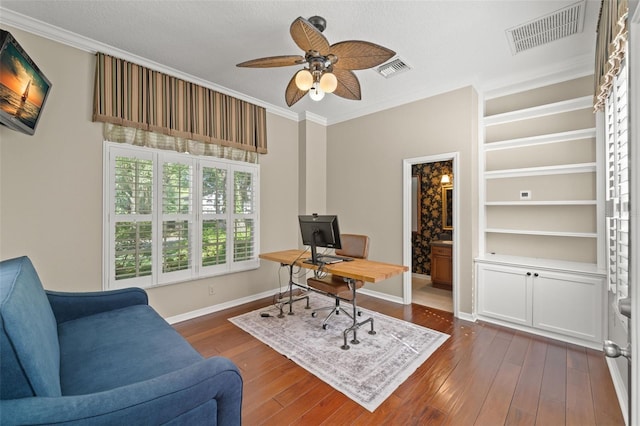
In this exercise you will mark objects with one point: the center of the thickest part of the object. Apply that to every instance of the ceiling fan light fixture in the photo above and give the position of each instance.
(304, 80)
(328, 68)
(316, 93)
(328, 82)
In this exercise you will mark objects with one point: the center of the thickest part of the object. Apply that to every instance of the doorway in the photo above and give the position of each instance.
(429, 237)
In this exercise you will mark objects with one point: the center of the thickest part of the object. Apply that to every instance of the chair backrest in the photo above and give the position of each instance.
(354, 245)
(29, 348)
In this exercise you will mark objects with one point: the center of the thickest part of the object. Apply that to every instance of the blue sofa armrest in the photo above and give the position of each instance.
(155, 401)
(70, 306)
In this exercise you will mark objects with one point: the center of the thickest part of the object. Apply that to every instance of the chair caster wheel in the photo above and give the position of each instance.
(324, 326)
(314, 314)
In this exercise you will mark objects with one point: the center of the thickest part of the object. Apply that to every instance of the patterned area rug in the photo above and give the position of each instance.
(367, 372)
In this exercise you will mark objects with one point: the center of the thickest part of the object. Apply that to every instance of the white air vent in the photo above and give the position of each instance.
(392, 68)
(554, 26)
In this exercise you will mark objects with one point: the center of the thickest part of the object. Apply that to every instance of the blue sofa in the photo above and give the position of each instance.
(102, 358)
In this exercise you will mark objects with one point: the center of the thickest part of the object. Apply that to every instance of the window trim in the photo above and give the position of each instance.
(196, 271)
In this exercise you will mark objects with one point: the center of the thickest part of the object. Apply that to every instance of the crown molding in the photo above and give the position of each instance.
(555, 73)
(389, 103)
(504, 85)
(68, 38)
(315, 118)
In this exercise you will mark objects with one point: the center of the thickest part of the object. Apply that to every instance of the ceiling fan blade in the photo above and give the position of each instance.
(273, 61)
(292, 94)
(348, 85)
(359, 55)
(308, 37)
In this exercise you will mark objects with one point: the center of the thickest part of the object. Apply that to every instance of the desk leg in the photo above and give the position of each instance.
(356, 325)
(291, 298)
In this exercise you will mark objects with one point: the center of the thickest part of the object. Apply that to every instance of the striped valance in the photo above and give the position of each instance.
(611, 46)
(134, 96)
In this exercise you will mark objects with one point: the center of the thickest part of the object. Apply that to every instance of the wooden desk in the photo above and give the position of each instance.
(355, 270)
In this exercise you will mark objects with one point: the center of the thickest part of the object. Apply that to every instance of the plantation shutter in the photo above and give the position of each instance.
(244, 217)
(214, 202)
(131, 223)
(177, 218)
(617, 119)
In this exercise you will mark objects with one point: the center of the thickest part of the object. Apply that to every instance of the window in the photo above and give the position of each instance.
(175, 217)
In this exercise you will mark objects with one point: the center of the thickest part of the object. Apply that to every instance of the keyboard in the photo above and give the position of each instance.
(327, 259)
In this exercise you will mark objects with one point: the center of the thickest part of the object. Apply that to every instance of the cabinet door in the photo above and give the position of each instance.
(504, 293)
(568, 304)
(441, 267)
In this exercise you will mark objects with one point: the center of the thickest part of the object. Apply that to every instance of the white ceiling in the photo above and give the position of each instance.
(447, 43)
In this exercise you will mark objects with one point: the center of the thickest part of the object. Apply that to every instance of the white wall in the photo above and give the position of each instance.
(51, 191)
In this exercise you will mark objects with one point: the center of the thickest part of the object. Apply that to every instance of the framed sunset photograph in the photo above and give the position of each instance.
(23, 87)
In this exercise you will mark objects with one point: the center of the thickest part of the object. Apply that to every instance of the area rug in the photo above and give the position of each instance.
(368, 372)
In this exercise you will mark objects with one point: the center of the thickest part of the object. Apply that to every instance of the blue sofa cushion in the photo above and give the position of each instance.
(117, 348)
(30, 353)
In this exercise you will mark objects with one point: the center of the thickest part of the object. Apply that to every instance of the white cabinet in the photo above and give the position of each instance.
(504, 293)
(543, 298)
(569, 304)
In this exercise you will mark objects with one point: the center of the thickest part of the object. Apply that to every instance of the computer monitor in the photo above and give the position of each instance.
(319, 231)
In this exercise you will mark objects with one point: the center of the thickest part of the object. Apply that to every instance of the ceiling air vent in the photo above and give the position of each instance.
(554, 26)
(392, 68)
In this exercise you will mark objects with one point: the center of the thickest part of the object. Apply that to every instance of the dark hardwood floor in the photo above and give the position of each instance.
(483, 375)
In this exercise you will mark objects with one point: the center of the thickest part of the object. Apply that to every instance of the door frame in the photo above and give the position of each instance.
(406, 222)
(634, 214)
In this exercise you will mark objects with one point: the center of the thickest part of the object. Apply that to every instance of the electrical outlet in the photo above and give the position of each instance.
(212, 290)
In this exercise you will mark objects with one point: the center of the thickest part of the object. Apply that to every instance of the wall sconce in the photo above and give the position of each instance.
(445, 179)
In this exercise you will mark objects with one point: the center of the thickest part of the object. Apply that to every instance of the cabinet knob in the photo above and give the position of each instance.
(536, 274)
(528, 274)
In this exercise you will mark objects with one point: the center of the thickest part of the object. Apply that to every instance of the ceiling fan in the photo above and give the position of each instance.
(328, 67)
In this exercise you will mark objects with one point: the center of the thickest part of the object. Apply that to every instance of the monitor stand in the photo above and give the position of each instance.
(314, 254)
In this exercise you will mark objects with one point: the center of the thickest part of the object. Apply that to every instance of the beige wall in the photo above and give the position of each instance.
(312, 167)
(51, 184)
(51, 191)
(560, 186)
(364, 178)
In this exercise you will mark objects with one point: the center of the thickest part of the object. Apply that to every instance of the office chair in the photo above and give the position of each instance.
(356, 246)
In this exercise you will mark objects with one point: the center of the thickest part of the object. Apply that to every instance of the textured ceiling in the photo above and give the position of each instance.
(448, 44)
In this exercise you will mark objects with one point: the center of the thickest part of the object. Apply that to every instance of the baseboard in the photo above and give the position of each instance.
(621, 390)
(421, 276)
(220, 306)
(237, 302)
(466, 316)
(551, 335)
(383, 296)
